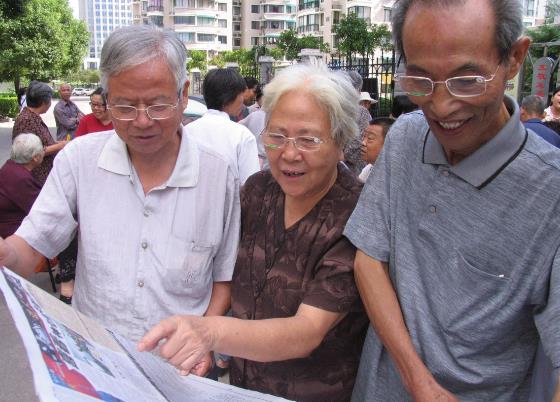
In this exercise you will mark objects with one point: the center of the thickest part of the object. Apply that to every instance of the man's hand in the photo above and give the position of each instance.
(187, 345)
(428, 390)
(5, 253)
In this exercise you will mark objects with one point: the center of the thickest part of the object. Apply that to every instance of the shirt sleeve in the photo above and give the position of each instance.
(51, 223)
(224, 260)
(547, 318)
(63, 119)
(248, 158)
(82, 127)
(333, 287)
(369, 226)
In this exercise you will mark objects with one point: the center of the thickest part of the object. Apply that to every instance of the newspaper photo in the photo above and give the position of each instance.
(73, 358)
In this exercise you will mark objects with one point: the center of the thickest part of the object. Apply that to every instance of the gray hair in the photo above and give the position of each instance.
(533, 105)
(24, 147)
(356, 79)
(507, 14)
(332, 90)
(37, 94)
(133, 45)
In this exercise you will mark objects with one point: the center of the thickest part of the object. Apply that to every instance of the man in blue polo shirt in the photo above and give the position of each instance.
(458, 228)
(532, 113)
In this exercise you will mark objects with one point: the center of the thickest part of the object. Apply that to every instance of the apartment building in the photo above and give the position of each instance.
(201, 24)
(534, 12)
(262, 21)
(102, 17)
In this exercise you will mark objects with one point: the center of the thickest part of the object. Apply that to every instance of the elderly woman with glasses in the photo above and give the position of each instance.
(99, 119)
(298, 324)
(18, 187)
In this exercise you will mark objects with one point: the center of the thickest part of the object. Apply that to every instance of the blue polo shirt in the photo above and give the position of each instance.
(543, 131)
(473, 256)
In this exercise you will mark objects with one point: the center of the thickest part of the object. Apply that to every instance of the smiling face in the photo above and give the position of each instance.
(98, 107)
(303, 175)
(555, 101)
(457, 41)
(372, 143)
(142, 86)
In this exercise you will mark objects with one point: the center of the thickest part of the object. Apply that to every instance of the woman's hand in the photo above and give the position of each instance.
(188, 341)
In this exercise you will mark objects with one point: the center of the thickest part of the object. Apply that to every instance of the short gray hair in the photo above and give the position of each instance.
(507, 14)
(331, 89)
(24, 147)
(533, 105)
(38, 93)
(356, 80)
(133, 45)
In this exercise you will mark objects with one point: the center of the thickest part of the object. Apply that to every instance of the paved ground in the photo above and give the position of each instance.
(48, 118)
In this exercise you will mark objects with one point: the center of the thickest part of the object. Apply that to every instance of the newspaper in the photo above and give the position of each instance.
(73, 358)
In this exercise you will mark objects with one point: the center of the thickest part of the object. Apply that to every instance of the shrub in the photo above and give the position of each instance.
(9, 106)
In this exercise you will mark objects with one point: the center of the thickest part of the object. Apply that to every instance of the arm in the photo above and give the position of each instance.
(556, 397)
(220, 300)
(189, 338)
(17, 255)
(63, 120)
(384, 312)
(53, 149)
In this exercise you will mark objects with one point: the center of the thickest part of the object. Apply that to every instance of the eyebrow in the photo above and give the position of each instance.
(475, 68)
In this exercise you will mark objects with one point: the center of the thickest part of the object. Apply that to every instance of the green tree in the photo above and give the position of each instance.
(83, 77)
(540, 36)
(42, 42)
(552, 10)
(290, 44)
(197, 59)
(356, 36)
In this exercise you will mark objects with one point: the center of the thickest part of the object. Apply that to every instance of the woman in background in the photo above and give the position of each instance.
(99, 119)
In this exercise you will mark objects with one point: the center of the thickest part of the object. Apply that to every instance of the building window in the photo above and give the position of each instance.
(255, 8)
(237, 27)
(205, 21)
(186, 37)
(185, 20)
(222, 39)
(269, 8)
(255, 41)
(236, 41)
(222, 6)
(387, 14)
(360, 12)
(529, 8)
(222, 23)
(205, 37)
(255, 25)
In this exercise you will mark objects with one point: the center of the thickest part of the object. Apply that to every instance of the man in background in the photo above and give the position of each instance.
(532, 113)
(66, 114)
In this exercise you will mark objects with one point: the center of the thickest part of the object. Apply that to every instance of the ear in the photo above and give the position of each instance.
(516, 56)
(185, 98)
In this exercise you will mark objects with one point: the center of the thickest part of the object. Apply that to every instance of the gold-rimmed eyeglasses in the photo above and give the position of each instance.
(465, 86)
(154, 112)
(303, 142)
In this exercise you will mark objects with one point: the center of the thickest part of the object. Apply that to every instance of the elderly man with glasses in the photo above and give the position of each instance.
(157, 215)
(458, 258)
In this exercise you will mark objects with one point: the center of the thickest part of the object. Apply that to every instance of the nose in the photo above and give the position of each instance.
(442, 103)
(289, 151)
(142, 119)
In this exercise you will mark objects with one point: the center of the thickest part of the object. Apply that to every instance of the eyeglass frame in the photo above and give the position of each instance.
(146, 109)
(274, 147)
(486, 80)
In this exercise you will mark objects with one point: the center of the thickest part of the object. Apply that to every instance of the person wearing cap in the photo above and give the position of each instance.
(366, 101)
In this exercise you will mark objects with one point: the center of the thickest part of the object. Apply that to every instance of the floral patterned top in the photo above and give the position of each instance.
(311, 262)
(30, 122)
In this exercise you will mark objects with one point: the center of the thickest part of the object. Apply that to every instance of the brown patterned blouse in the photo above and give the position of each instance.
(311, 263)
(30, 122)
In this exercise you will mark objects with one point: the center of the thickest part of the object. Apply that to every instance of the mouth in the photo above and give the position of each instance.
(451, 125)
(292, 173)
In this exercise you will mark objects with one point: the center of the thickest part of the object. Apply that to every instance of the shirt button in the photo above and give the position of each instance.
(140, 284)
(445, 173)
(433, 209)
(146, 212)
(144, 245)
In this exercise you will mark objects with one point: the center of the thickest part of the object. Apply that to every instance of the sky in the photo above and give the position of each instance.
(74, 7)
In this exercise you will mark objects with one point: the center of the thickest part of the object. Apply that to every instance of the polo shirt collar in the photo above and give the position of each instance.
(483, 165)
(114, 158)
(214, 112)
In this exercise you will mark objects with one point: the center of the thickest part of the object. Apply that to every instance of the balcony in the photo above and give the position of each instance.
(155, 9)
(304, 5)
(305, 29)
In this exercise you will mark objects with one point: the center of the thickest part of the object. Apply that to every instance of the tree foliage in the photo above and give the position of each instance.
(43, 42)
(541, 35)
(357, 36)
(552, 10)
(83, 77)
(290, 44)
(197, 59)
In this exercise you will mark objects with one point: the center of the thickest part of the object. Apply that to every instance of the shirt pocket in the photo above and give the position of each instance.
(188, 270)
(471, 304)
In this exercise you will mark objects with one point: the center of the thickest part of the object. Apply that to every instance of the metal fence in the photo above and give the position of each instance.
(377, 74)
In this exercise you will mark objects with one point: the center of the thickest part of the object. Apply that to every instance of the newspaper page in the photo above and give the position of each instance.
(73, 358)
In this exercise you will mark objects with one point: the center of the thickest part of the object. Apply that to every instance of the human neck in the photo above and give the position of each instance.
(154, 170)
(29, 166)
(35, 110)
(295, 208)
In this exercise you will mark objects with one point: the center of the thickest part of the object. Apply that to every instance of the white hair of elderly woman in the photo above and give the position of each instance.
(332, 90)
(24, 147)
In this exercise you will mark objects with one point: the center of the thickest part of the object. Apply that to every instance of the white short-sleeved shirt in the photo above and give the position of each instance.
(236, 142)
(141, 258)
